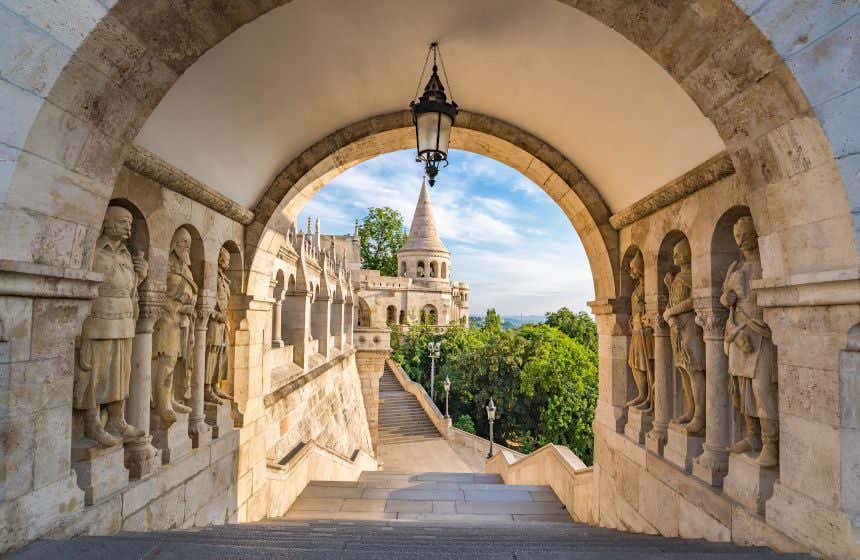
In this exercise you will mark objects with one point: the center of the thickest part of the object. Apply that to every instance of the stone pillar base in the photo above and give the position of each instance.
(101, 470)
(639, 423)
(173, 442)
(682, 448)
(711, 466)
(141, 458)
(748, 483)
(200, 433)
(655, 441)
(610, 415)
(219, 417)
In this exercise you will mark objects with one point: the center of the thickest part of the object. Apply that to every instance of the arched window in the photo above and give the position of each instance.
(444, 271)
(420, 269)
(390, 315)
(402, 317)
(434, 268)
(429, 315)
(402, 268)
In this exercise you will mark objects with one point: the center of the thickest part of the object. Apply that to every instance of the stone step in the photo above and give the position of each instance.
(408, 538)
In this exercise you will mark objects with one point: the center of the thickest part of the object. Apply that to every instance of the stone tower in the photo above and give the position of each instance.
(423, 256)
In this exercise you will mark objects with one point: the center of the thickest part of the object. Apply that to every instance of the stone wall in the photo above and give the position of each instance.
(652, 476)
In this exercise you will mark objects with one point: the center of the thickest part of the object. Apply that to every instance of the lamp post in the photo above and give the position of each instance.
(447, 392)
(433, 117)
(491, 416)
(434, 349)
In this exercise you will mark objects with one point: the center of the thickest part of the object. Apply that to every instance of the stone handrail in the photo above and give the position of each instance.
(311, 462)
(555, 466)
(430, 409)
(455, 435)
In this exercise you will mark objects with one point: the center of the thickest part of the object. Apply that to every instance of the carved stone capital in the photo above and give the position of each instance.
(201, 316)
(713, 322)
(150, 303)
(660, 326)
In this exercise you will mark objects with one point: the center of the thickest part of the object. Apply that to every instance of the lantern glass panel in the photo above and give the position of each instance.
(428, 126)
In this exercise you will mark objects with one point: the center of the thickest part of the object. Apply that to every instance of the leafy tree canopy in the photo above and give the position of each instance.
(382, 234)
(578, 326)
(543, 382)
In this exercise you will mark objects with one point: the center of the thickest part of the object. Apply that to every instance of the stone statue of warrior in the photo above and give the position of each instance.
(688, 348)
(216, 335)
(170, 339)
(104, 351)
(640, 356)
(751, 352)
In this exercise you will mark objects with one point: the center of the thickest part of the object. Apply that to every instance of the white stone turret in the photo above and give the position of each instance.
(423, 256)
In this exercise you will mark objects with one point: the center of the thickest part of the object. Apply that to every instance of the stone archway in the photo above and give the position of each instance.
(82, 78)
(542, 163)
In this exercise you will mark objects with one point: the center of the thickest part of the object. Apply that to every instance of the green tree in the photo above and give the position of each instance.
(492, 321)
(560, 378)
(578, 326)
(464, 422)
(382, 235)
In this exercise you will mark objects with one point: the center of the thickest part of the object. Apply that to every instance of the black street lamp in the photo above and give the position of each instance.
(447, 392)
(491, 415)
(433, 116)
(434, 349)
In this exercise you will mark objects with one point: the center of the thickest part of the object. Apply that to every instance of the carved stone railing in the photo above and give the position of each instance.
(555, 466)
(311, 461)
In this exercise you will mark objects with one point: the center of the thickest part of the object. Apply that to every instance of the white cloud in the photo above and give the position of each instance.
(518, 253)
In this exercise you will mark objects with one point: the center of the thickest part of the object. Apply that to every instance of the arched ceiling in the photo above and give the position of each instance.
(277, 85)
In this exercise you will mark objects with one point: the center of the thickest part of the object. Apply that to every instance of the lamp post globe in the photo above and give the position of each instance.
(434, 350)
(433, 117)
(491, 416)
(447, 392)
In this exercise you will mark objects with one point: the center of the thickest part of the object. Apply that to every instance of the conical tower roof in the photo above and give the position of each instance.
(423, 236)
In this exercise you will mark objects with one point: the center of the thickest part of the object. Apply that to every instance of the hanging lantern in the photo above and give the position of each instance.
(433, 117)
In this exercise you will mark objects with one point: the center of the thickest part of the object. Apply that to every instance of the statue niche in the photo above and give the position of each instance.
(103, 364)
(217, 336)
(752, 354)
(173, 336)
(640, 356)
(688, 348)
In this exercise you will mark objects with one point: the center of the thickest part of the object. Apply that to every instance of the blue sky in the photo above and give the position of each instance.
(508, 239)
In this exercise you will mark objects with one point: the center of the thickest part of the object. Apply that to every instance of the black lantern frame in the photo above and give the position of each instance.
(433, 117)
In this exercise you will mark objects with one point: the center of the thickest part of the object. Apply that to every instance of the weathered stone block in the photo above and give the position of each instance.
(748, 483)
(682, 448)
(639, 423)
(658, 504)
(173, 441)
(220, 418)
(101, 471)
(693, 523)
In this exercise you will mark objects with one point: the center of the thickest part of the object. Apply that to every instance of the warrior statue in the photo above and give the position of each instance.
(172, 338)
(104, 352)
(751, 352)
(640, 356)
(688, 348)
(216, 336)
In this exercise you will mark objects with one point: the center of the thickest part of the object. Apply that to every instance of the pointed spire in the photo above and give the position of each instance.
(423, 235)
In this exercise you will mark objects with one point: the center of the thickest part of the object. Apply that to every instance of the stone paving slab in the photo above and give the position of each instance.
(409, 506)
(497, 496)
(363, 505)
(414, 494)
(508, 507)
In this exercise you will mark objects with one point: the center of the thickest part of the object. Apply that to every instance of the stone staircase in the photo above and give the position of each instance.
(449, 497)
(401, 418)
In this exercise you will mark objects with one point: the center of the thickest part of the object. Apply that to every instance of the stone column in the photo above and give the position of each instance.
(337, 317)
(372, 350)
(198, 429)
(349, 323)
(277, 318)
(321, 323)
(614, 376)
(299, 326)
(712, 465)
(656, 438)
(140, 455)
